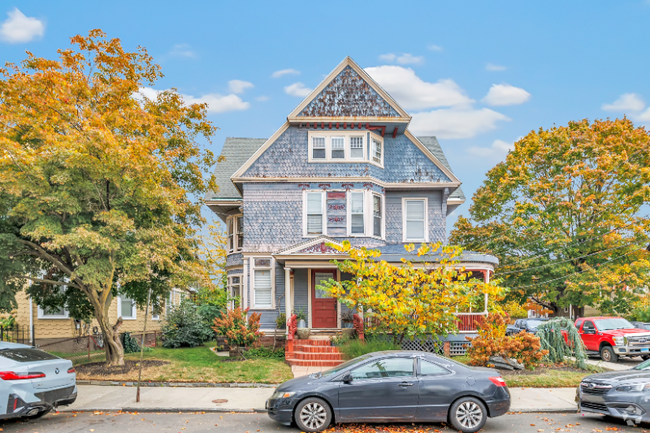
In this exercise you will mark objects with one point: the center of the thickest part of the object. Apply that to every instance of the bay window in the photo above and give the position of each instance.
(377, 215)
(235, 227)
(376, 151)
(356, 148)
(357, 225)
(415, 219)
(314, 213)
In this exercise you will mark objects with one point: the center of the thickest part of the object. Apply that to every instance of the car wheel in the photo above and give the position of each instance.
(468, 414)
(313, 415)
(607, 354)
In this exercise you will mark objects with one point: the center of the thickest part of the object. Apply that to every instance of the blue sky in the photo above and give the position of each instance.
(477, 74)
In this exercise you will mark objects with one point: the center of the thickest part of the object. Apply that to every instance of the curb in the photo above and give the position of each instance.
(532, 410)
(166, 410)
(179, 384)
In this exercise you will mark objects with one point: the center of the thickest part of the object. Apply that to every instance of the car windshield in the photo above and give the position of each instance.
(612, 324)
(345, 365)
(533, 324)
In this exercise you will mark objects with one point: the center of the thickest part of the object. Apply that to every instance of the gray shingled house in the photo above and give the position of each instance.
(344, 165)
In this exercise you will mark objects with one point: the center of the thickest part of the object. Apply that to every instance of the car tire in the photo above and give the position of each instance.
(313, 415)
(468, 414)
(607, 354)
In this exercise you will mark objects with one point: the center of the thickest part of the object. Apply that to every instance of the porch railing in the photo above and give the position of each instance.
(467, 322)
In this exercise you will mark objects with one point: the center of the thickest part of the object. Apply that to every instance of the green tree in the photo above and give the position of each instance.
(96, 182)
(562, 214)
(409, 299)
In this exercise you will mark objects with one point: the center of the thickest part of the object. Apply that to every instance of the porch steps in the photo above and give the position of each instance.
(314, 353)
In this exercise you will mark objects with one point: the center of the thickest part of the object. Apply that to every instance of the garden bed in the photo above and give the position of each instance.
(546, 377)
(100, 369)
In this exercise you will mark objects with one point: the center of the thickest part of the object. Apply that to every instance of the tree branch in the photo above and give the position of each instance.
(44, 281)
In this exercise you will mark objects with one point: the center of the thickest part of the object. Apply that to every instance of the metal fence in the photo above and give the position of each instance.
(17, 334)
(89, 348)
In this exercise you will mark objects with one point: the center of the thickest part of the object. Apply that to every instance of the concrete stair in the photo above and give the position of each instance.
(314, 353)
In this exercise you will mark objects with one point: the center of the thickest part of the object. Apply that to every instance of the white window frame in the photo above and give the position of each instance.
(426, 218)
(348, 206)
(231, 303)
(346, 135)
(41, 315)
(372, 216)
(363, 147)
(233, 245)
(345, 147)
(134, 309)
(311, 148)
(271, 268)
(371, 156)
(304, 214)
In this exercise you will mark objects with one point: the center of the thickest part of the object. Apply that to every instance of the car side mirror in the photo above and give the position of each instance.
(347, 378)
(589, 331)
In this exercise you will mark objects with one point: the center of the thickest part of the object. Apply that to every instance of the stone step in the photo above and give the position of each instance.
(314, 356)
(311, 363)
(311, 342)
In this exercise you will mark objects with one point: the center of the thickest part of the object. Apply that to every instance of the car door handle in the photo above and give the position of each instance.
(406, 384)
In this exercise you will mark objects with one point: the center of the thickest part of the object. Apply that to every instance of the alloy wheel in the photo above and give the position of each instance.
(469, 414)
(313, 415)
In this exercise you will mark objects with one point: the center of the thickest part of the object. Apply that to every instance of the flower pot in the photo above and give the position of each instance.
(303, 333)
(236, 352)
(302, 324)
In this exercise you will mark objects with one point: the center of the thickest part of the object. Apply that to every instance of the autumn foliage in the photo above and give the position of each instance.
(238, 330)
(492, 341)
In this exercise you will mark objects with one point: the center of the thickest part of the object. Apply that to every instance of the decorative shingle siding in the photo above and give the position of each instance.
(234, 260)
(288, 157)
(234, 271)
(437, 218)
(348, 95)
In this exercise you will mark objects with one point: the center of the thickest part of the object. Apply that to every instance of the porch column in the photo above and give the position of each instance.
(287, 295)
(244, 300)
(486, 277)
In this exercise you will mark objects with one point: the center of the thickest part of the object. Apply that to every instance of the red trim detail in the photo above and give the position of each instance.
(330, 125)
(337, 125)
(395, 132)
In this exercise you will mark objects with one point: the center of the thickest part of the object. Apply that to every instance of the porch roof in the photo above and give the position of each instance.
(395, 253)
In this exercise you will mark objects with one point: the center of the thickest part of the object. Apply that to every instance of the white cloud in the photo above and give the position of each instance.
(627, 102)
(182, 50)
(297, 89)
(278, 74)
(505, 94)
(498, 148)
(262, 98)
(216, 103)
(493, 67)
(19, 28)
(433, 47)
(238, 86)
(450, 123)
(411, 92)
(404, 59)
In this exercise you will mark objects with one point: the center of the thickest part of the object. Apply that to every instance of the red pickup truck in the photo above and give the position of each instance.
(611, 337)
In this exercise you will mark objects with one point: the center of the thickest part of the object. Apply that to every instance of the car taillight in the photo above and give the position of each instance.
(498, 381)
(10, 375)
(71, 370)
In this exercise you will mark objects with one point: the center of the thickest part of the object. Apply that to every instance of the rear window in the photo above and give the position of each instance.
(26, 355)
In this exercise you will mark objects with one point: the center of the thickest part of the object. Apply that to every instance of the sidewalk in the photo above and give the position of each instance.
(168, 399)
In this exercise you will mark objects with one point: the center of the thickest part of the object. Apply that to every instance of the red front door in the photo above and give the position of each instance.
(323, 307)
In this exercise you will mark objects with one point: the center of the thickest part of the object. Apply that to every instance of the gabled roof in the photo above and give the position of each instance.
(348, 92)
(432, 144)
(300, 248)
(236, 152)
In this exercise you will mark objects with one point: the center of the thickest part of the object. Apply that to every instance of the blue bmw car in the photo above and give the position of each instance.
(392, 386)
(33, 382)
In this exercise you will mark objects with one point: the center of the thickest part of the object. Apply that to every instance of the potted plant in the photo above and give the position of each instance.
(302, 331)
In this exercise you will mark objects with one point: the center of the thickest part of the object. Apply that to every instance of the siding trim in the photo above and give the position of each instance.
(352, 179)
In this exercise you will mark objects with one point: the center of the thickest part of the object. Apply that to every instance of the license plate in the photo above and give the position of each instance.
(645, 349)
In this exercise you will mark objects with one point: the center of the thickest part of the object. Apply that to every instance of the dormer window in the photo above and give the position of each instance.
(377, 151)
(318, 148)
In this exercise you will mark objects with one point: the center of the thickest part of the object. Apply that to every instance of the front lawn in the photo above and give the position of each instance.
(198, 364)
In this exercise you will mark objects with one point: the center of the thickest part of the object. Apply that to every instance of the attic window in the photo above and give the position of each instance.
(338, 147)
(376, 151)
(318, 148)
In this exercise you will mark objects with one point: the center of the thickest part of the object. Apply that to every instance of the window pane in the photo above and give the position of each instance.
(314, 202)
(376, 150)
(356, 147)
(356, 202)
(356, 213)
(357, 224)
(263, 288)
(376, 211)
(415, 209)
(127, 307)
(431, 369)
(48, 311)
(414, 230)
(262, 263)
(338, 148)
(318, 147)
(314, 224)
(392, 367)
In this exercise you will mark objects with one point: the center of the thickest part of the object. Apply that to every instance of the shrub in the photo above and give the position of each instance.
(211, 303)
(184, 327)
(238, 330)
(552, 338)
(492, 341)
(281, 320)
(264, 352)
(352, 348)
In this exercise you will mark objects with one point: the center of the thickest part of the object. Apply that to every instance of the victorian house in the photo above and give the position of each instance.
(343, 165)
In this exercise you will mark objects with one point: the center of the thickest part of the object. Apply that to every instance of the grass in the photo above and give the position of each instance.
(354, 348)
(200, 364)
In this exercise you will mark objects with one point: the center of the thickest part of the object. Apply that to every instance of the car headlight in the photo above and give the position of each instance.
(637, 387)
(282, 394)
(619, 341)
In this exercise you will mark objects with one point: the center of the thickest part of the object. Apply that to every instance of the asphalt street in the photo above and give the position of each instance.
(101, 422)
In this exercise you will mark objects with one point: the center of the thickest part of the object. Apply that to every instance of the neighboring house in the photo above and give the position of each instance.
(344, 165)
(51, 326)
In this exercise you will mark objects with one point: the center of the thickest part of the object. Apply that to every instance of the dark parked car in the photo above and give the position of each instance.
(392, 386)
(621, 394)
(528, 325)
(641, 325)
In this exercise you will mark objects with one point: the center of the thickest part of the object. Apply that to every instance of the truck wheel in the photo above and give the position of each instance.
(607, 354)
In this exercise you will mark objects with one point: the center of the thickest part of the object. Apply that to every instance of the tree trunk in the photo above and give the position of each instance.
(112, 344)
